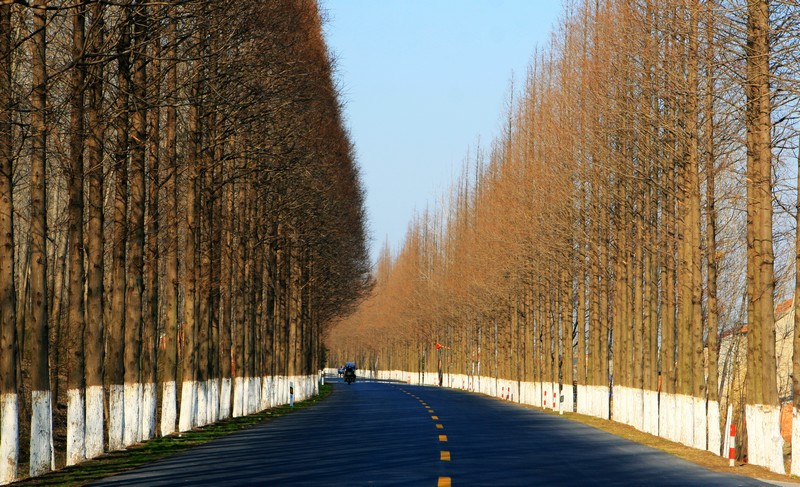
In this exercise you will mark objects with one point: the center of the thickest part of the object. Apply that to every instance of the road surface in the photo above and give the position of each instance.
(372, 433)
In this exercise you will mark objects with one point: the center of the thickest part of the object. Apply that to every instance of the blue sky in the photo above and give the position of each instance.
(423, 81)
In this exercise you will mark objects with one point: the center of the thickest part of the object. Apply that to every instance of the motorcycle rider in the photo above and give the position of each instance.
(350, 372)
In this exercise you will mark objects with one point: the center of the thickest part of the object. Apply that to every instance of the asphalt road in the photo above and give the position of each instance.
(373, 433)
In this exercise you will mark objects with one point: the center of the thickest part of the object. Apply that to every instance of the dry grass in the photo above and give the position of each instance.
(702, 458)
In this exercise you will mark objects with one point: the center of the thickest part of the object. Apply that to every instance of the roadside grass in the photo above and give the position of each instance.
(703, 458)
(142, 453)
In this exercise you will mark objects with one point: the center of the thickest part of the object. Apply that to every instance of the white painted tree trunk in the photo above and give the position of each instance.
(256, 399)
(249, 395)
(568, 405)
(637, 408)
(764, 441)
(9, 438)
(94, 422)
(188, 406)
(246, 384)
(41, 459)
(264, 394)
(278, 391)
(666, 416)
(583, 399)
(714, 434)
(795, 469)
(618, 411)
(202, 402)
(590, 401)
(600, 401)
(169, 413)
(148, 411)
(214, 400)
(685, 417)
(225, 399)
(700, 435)
(271, 391)
(76, 427)
(238, 397)
(650, 412)
(116, 417)
(133, 420)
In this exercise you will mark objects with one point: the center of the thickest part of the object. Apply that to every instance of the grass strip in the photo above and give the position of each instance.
(155, 449)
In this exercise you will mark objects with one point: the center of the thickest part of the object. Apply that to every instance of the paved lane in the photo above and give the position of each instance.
(395, 434)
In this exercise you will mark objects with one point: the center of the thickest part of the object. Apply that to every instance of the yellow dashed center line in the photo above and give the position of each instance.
(444, 456)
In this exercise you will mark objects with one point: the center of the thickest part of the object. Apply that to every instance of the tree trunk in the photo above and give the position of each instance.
(76, 324)
(189, 368)
(9, 402)
(95, 242)
(136, 244)
(712, 327)
(170, 355)
(115, 363)
(41, 449)
(762, 393)
(152, 287)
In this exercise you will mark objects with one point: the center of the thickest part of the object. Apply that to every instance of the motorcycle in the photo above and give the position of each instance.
(349, 375)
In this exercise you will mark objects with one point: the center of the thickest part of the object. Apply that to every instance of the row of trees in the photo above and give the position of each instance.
(623, 221)
(180, 217)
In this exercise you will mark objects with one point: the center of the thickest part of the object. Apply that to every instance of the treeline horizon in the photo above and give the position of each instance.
(639, 205)
(181, 218)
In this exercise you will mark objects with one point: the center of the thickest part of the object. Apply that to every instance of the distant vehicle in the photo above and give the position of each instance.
(341, 371)
(350, 372)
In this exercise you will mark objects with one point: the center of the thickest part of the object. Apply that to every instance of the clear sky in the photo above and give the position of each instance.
(423, 82)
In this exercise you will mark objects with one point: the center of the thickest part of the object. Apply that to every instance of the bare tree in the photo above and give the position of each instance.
(36, 326)
(9, 402)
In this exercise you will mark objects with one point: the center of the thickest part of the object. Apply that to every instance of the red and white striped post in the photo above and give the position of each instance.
(732, 445)
(544, 400)
(555, 401)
